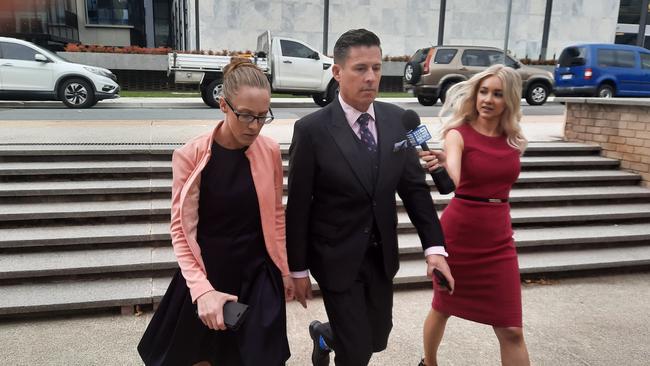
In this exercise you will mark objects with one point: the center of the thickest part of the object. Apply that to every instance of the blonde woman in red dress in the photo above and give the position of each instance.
(483, 142)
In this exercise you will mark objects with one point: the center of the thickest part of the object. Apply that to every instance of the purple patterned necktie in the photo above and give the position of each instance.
(366, 137)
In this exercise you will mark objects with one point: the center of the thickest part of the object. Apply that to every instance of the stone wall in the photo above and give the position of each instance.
(621, 126)
(406, 25)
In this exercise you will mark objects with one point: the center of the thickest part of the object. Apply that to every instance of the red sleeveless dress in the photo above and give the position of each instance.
(482, 254)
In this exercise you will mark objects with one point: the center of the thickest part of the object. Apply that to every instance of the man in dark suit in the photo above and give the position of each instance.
(341, 210)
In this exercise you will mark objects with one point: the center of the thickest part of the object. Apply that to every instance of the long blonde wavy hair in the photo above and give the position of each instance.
(461, 102)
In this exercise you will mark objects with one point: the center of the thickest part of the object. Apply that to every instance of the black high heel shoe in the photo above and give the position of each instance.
(422, 363)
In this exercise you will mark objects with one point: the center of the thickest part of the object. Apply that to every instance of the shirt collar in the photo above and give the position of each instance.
(351, 114)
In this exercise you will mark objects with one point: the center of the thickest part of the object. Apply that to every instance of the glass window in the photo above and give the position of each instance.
(475, 58)
(606, 58)
(295, 49)
(108, 12)
(613, 58)
(420, 55)
(14, 51)
(645, 60)
(629, 12)
(572, 56)
(444, 56)
(625, 59)
(625, 38)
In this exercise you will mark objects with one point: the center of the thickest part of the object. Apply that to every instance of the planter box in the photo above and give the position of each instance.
(118, 61)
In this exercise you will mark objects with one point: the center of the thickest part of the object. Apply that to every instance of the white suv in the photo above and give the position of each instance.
(29, 72)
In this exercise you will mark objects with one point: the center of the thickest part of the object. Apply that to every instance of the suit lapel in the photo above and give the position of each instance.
(344, 137)
(385, 141)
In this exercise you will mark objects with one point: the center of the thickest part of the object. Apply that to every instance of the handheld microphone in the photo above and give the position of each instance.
(418, 135)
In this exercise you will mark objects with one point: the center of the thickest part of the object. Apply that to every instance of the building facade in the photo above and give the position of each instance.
(406, 25)
(54, 23)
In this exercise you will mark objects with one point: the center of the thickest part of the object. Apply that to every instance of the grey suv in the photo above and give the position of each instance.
(432, 71)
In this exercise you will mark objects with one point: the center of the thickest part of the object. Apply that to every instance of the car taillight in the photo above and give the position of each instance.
(588, 73)
(428, 60)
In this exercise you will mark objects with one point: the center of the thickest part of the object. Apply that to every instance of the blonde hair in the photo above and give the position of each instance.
(241, 72)
(461, 102)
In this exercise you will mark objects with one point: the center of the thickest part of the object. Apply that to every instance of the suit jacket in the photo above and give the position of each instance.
(333, 200)
(187, 164)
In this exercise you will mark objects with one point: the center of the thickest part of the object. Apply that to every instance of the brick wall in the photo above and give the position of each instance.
(622, 130)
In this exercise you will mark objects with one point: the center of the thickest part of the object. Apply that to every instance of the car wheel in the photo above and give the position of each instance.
(323, 99)
(210, 94)
(605, 91)
(537, 94)
(443, 91)
(427, 101)
(412, 72)
(77, 93)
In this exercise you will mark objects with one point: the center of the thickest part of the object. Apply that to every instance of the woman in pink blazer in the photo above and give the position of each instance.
(228, 233)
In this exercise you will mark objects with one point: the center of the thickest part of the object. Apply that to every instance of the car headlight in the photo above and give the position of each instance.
(100, 72)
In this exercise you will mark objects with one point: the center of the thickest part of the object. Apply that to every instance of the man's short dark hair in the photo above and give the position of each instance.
(353, 38)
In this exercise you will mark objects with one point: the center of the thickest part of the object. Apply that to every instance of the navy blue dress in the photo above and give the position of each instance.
(230, 235)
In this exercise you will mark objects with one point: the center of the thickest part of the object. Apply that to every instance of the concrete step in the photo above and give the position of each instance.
(562, 214)
(79, 235)
(167, 148)
(163, 185)
(412, 271)
(534, 148)
(25, 298)
(85, 187)
(90, 261)
(30, 150)
(563, 176)
(131, 259)
(526, 237)
(122, 167)
(161, 206)
(583, 162)
(84, 167)
(88, 209)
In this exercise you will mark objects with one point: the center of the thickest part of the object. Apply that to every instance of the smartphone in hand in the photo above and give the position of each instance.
(441, 280)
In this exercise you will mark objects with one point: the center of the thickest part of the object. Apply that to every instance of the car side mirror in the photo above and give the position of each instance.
(314, 56)
(40, 58)
(516, 65)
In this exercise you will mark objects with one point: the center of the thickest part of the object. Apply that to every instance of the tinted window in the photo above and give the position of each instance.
(17, 52)
(295, 49)
(420, 55)
(476, 58)
(572, 56)
(645, 60)
(625, 59)
(444, 56)
(615, 58)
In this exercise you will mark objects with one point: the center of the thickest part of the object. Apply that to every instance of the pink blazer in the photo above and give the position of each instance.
(187, 164)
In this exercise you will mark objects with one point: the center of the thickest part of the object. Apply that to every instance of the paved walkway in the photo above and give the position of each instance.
(584, 321)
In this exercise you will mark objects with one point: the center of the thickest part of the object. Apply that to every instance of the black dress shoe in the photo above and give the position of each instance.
(319, 356)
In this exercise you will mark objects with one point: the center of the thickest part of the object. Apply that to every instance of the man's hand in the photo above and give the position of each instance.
(289, 288)
(433, 159)
(210, 308)
(303, 290)
(436, 261)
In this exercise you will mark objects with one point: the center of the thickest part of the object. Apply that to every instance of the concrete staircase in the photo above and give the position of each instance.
(87, 226)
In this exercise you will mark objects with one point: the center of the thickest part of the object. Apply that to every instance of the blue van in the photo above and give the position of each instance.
(603, 70)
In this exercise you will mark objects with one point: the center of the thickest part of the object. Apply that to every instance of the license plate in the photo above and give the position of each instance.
(567, 76)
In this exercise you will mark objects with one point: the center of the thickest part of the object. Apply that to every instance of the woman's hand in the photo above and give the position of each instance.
(289, 288)
(210, 308)
(433, 159)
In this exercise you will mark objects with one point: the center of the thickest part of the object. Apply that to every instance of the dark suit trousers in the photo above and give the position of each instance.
(361, 317)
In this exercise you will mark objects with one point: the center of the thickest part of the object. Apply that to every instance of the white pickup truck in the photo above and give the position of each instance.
(292, 66)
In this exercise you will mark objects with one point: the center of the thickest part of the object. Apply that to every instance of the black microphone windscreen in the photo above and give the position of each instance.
(410, 120)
